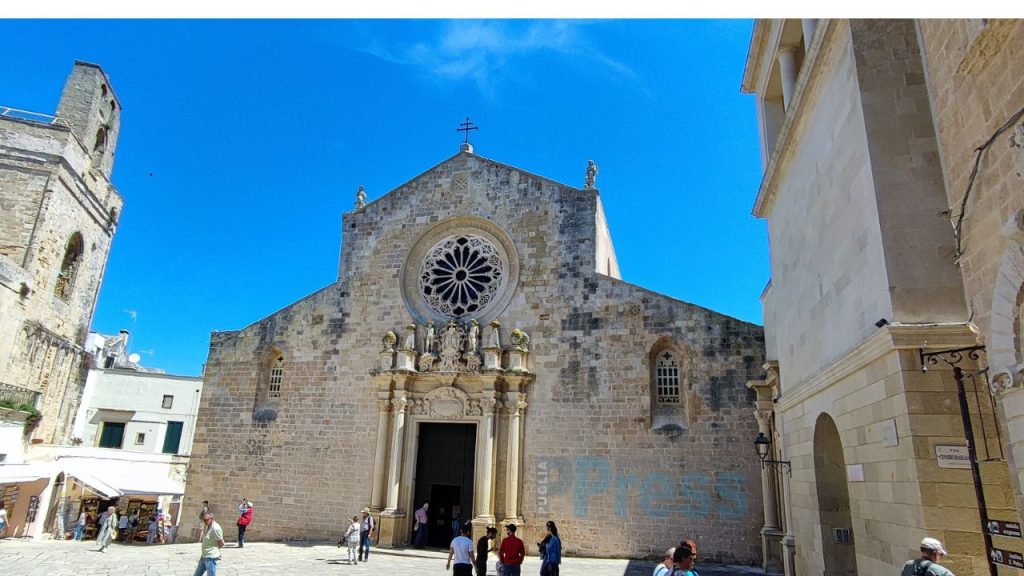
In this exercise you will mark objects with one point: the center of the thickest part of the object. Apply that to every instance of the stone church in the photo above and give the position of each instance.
(58, 215)
(480, 351)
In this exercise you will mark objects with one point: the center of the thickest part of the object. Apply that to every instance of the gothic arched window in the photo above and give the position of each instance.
(666, 378)
(69, 267)
(671, 378)
(276, 375)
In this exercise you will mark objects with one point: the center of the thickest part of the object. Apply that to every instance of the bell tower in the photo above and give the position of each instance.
(93, 113)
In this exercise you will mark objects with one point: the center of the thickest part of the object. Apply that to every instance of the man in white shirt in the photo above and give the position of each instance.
(462, 550)
(665, 566)
(212, 541)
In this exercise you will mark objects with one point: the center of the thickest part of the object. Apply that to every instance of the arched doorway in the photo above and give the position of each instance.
(837, 546)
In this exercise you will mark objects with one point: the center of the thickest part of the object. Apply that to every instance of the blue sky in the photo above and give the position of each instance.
(243, 142)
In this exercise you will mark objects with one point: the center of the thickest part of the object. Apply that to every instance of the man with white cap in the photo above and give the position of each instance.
(931, 552)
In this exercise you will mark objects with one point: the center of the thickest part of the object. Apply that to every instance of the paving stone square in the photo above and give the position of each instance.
(58, 558)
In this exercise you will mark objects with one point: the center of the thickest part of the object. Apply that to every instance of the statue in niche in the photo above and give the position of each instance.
(473, 338)
(428, 340)
(494, 341)
(389, 341)
(410, 338)
(360, 197)
(591, 177)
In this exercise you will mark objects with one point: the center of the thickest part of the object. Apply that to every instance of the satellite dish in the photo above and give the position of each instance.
(134, 358)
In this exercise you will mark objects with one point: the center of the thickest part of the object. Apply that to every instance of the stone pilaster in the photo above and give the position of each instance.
(516, 406)
(378, 489)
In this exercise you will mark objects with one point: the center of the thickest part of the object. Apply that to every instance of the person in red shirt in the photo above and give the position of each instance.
(511, 552)
(244, 519)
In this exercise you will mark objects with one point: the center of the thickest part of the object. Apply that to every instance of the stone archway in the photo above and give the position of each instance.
(837, 544)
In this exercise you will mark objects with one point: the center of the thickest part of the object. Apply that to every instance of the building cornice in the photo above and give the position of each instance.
(783, 149)
(755, 56)
(890, 338)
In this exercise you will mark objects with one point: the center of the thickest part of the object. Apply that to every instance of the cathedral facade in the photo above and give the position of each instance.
(479, 351)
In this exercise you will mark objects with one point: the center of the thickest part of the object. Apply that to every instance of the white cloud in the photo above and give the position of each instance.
(480, 51)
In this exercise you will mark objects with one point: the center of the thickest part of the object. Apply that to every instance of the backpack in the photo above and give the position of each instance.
(921, 568)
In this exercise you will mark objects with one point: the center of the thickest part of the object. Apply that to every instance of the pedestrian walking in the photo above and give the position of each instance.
(692, 546)
(552, 559)
(484, 545)
(205, 510)
(366, 527)
(3, 520)
(682, 561)
(461, 549)
(928, 564)
(107, 527)
(244, 519)
(511, 553)
(351, 537)
(212, 541)
(664, 568)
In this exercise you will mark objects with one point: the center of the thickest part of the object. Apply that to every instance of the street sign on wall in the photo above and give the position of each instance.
(957, 457)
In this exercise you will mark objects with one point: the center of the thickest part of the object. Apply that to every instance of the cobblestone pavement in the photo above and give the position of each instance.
(56, 558)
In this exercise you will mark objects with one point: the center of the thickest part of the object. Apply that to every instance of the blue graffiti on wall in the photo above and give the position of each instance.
(660, 494)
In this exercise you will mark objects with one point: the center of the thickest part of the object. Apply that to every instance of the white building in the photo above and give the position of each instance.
(130, 408)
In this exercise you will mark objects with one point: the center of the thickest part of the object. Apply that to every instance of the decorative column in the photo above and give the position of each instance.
(516, 406)
(485, 469)
(771, 535)
(391, 529)
(788, 541)
(380, 454)
(398, 406)
(789, 71)
(809, 26)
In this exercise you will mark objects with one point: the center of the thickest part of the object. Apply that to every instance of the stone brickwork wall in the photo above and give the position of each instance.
(890, 416)
(591, 461)
(975, 76)
(49, 191)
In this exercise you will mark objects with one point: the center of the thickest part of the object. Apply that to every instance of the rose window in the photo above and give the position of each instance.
(460, 275)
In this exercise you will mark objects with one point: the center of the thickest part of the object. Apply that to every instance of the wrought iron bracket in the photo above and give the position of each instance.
(952, 357)
(786, 465)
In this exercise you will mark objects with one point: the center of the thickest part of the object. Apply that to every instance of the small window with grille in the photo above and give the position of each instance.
(841, 535)
(666, 378)
(276, 375)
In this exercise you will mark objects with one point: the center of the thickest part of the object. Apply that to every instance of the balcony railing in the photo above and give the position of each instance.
(15, 397)
(32, 116)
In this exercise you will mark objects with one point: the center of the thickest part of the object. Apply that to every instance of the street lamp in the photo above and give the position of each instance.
(763, 445)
